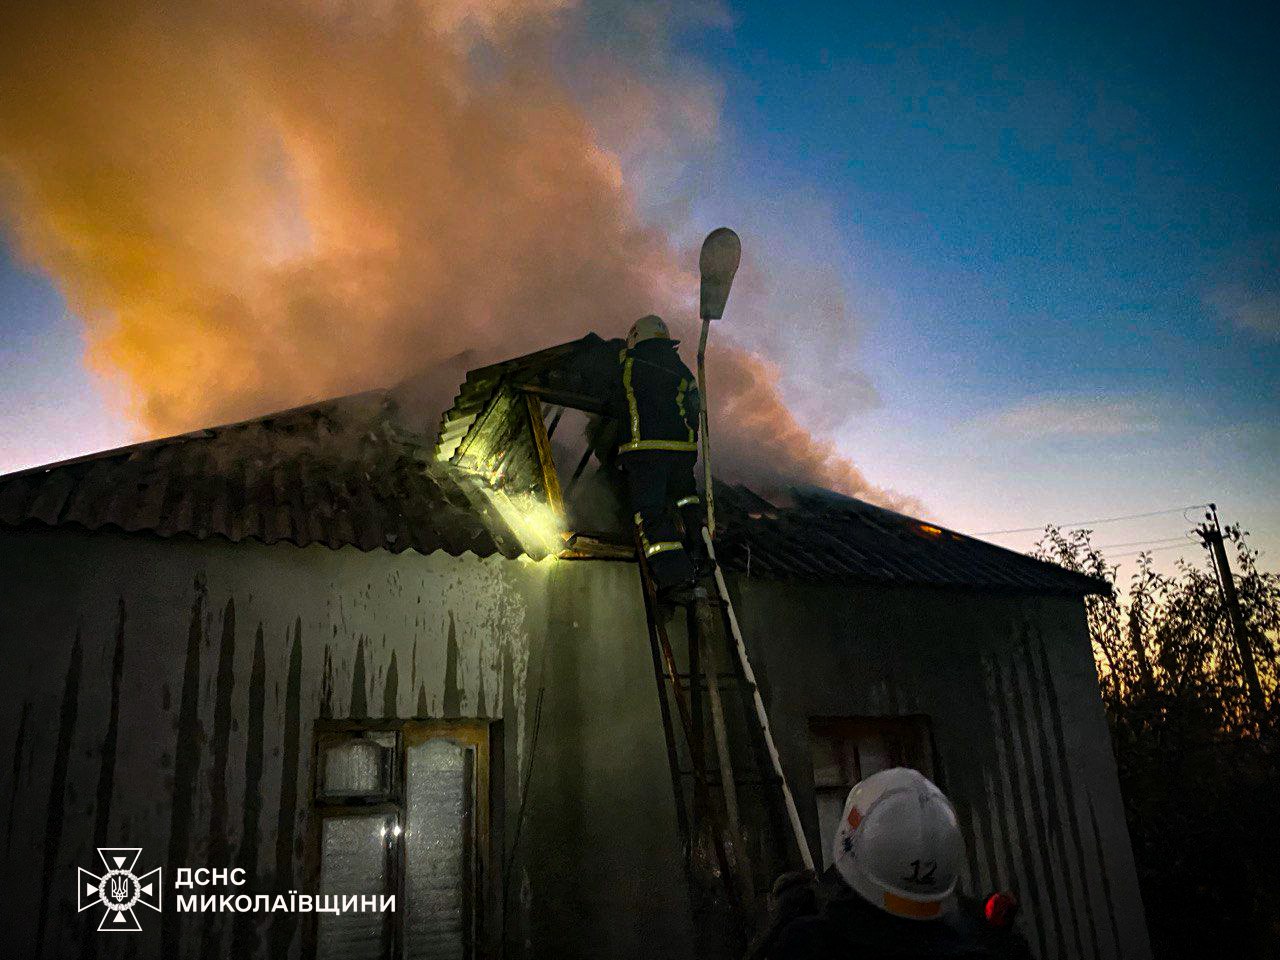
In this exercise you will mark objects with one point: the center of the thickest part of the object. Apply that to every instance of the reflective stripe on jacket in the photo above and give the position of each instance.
(660, 399)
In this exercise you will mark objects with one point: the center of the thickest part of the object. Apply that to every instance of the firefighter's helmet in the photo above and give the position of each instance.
(651, 327)
(899, 844)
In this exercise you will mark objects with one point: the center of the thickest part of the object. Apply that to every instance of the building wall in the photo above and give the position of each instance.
(162, 694)
(130, 667)
(1020, 736)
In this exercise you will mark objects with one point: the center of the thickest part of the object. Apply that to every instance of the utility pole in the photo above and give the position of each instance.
(1212, 537)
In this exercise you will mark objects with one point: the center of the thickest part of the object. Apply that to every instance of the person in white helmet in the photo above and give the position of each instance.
(891, 890)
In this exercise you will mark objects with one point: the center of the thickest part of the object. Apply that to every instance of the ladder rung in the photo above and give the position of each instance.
(726, 689)
(685, 687)
(732, 683)
(727, 681)
(739, 781)
(723, 676)
(686, 604)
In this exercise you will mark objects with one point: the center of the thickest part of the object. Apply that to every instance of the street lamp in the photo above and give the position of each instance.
(718, 262)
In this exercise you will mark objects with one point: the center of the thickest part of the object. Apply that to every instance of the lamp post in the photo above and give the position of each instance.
(718, 262)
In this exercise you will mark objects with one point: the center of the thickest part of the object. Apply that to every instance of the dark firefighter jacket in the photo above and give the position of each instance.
(649, 390)
(840, 924)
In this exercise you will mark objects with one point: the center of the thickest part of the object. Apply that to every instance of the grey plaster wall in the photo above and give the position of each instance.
(162, 694)
(1020, 737)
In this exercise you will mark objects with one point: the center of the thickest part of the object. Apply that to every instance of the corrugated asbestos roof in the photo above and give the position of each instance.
(825, 536)
(482, 383)
(345, 472)
(821, 536)
(337, 473)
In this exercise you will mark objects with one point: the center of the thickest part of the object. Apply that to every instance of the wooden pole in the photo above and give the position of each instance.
(1212, 535)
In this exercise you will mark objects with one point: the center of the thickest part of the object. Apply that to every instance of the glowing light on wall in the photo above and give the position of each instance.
(538, 527)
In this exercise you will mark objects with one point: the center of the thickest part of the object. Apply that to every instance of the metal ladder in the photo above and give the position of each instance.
(699, 818)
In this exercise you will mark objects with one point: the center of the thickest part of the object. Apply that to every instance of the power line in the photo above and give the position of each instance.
(1140, 543)
(1172, 546)
(1076, 525)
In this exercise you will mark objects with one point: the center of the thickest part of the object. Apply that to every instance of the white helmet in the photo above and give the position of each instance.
(899, 844)
(651, 327)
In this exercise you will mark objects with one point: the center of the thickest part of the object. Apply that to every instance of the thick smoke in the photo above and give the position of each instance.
(258, 203)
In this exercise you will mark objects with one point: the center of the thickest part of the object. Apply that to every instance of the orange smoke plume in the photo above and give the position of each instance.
(259, 203)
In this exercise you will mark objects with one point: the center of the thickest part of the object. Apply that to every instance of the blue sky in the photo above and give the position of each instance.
(1062, 229)
(50, 406)
(1056, 230)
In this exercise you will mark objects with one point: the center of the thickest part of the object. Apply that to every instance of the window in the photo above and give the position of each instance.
(402, 808)
(848, 749)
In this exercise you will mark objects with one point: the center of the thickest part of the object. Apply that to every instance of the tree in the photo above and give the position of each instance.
(1197, 761)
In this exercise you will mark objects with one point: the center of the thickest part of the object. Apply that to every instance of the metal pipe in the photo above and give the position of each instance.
(697, 737)
(555, 422)
(727, 781)
(704, 429)
(762, 715)
(658, 636)
(582, 465)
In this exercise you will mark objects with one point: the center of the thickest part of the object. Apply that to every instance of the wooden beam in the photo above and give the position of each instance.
(541, 442)
(577, 401)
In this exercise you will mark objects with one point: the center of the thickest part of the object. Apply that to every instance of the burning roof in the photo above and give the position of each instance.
(349, 472)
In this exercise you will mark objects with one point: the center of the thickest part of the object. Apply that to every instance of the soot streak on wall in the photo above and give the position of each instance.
(101, 628)
(163, 694)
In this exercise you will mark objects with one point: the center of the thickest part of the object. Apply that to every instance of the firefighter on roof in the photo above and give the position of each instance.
(656, 404)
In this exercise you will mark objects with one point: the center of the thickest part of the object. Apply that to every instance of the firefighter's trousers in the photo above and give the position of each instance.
(660, 487)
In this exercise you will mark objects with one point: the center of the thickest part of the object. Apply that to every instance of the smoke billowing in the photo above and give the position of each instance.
(258, 203)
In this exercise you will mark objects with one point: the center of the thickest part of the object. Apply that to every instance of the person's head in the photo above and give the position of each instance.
(651, 327)
(899, 845)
